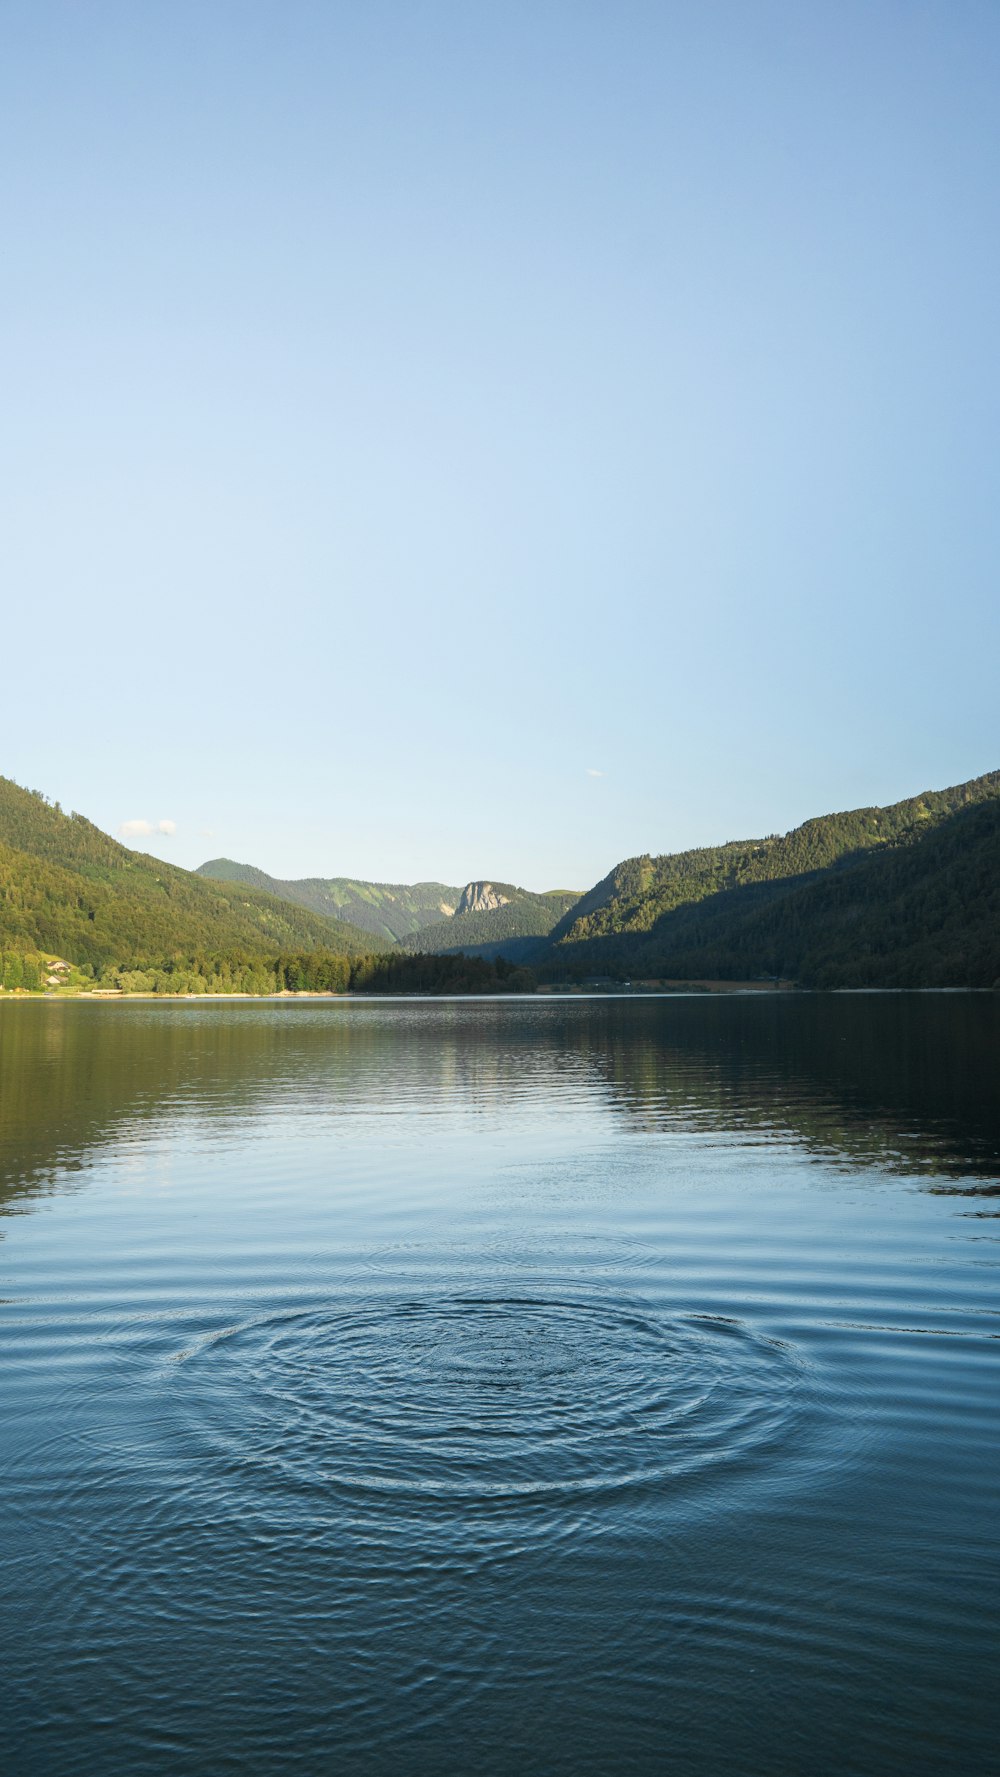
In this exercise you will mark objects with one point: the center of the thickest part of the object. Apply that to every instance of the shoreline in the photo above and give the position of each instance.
(689, 990)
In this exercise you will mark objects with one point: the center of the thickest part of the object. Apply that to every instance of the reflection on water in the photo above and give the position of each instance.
(896, 1079)
(547, 1386)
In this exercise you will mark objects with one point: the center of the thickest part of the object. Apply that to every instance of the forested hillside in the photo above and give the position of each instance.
(69, 889)
(388, 910)
(902, 896)
(898, 896)
(493, 932)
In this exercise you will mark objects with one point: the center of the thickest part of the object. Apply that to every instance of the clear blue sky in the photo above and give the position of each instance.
(411, 411)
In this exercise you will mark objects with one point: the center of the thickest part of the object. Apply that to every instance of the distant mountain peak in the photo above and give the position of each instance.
(481, 897)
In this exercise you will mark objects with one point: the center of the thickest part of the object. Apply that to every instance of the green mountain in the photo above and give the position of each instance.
(902, 896)
(388, 910)
(69, 889)
(907, 895)
(495, 919)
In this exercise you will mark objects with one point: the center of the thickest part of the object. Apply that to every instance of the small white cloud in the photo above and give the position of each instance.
(592, 771)
(145, 829)
(206, 832)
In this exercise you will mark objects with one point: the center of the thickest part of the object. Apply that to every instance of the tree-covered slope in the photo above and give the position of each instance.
(492, 931)
(388, 910)
(900, 896)
(641, 890)
(923, 915)
(69, 889)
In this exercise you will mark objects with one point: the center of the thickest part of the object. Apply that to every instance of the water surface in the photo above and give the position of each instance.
(546, 1386)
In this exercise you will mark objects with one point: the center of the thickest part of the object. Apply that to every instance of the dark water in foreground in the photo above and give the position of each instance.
(500, 1387)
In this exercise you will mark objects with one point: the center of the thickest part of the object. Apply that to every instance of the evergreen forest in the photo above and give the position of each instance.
(903, 896)
(70, 890)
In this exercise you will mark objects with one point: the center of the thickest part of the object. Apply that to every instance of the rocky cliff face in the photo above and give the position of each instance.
(481, 897)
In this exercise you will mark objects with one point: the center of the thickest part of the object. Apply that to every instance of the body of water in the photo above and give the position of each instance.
(501, 1386)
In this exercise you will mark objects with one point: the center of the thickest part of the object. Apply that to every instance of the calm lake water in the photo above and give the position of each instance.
(534, 1386)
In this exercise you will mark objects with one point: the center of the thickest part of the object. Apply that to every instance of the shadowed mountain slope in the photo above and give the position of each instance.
(494, 918)
(899, 896)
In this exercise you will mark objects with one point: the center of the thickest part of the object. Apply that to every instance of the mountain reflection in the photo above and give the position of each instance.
(907, 1082)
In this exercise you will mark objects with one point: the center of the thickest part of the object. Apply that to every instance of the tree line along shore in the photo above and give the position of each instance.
(318, 972)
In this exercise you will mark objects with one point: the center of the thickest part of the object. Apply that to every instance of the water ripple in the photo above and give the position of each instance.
(486, 1396)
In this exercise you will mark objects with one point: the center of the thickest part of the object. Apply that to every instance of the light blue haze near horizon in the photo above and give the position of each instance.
(446, 440)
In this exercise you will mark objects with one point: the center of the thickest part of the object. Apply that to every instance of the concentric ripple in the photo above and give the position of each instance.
(479, 1396)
